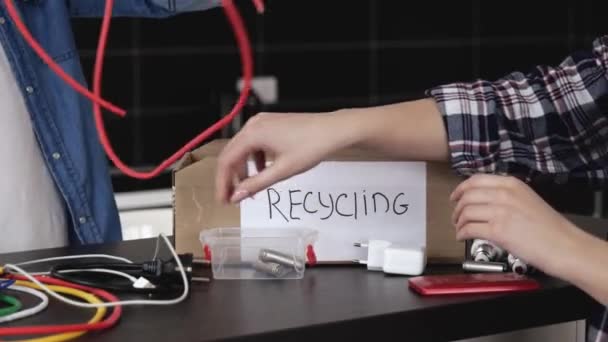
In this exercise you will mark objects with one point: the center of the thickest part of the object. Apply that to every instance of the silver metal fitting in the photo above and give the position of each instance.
(270, 268)
(518, 266)
(271, 256)
(482, 266)
(482, 250)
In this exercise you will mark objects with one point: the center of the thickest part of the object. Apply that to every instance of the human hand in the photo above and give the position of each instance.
(296, 142)
(508, 212)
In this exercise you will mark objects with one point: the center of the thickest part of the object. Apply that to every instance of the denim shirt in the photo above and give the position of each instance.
(63, 119)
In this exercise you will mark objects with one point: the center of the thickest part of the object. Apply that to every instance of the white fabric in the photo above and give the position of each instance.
(32, 213)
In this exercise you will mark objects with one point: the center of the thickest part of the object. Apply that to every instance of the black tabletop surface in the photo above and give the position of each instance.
(330, 302)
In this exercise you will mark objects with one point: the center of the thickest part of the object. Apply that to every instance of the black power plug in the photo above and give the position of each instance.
(168, 272)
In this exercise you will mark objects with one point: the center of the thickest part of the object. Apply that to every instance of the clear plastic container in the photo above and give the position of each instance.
(251, 253)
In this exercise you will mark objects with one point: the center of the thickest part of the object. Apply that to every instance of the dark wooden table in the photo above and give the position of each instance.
(329, 303)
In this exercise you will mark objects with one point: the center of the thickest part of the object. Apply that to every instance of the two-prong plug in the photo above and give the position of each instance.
(388, 258)
(375, 254)
(169, 272)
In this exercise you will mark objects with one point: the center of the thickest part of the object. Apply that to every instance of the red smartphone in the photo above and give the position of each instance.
(472, 283)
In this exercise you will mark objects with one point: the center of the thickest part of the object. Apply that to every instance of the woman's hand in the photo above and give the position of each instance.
(296, 142)
(410, 131)
(506, 211)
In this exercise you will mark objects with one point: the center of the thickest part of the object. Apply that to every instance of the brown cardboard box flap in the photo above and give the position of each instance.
(196, 209)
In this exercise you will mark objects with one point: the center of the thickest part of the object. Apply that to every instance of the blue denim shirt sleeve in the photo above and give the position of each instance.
(139, 8)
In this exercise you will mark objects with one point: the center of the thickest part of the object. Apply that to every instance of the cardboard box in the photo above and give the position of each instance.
(195, 207)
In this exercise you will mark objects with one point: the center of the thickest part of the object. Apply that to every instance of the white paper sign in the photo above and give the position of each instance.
(347, 202)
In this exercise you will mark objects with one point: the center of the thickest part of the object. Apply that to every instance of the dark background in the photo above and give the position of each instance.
(177, 76)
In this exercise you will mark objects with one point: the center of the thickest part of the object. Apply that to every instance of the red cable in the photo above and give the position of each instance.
(14, 14)
(246, 59)
(259, 5)
(109, 322)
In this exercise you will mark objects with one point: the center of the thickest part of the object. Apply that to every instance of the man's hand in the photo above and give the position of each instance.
(506, 211)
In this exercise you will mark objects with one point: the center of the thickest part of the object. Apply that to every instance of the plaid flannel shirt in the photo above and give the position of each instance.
(551, 122)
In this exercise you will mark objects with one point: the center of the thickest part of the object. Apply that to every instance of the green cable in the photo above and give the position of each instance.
(15, 305)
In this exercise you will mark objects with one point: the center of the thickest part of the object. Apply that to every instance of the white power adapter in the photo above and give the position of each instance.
(375, 254)
(404, 260)
(383, 256)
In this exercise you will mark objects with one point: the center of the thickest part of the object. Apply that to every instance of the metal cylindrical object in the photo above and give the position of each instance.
(270, 268)
(517, 265)
(483, 250)
(268, 255)
(480, 266)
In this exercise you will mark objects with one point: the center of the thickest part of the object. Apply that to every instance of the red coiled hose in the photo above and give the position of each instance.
(243, 43)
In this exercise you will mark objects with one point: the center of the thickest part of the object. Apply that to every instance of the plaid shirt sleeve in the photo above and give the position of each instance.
(552, 121)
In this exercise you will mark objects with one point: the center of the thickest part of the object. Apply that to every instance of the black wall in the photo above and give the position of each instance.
(176, 76)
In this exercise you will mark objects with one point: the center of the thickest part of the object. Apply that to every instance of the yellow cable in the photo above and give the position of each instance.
(101, 311)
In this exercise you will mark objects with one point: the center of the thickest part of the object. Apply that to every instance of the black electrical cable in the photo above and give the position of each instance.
(110, 283)
(163, 274)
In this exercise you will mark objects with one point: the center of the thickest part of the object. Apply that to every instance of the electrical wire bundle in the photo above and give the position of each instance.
(14, 279)
(63, 332)
(155, 277)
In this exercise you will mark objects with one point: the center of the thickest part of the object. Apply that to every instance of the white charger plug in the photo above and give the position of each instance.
(404, 260)
(383, 256)
(375, 254)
